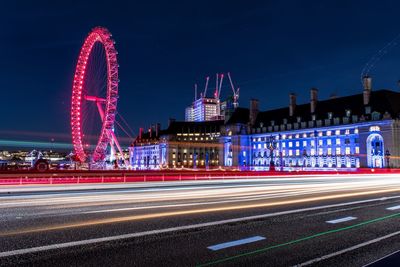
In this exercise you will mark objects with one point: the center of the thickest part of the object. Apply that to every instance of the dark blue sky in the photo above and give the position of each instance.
(271, 49)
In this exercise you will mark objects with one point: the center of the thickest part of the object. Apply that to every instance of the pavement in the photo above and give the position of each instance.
(330, 220)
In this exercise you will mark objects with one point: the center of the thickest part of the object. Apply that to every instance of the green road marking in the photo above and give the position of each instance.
(258, 251)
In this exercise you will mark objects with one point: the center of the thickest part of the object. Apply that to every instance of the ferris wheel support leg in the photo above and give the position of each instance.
(114, 138)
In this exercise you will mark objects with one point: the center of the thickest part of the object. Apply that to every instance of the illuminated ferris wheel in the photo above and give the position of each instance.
(94, 98)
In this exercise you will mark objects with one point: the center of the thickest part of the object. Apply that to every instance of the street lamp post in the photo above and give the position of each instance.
(271, 144)
(387, 156)
(305, 156)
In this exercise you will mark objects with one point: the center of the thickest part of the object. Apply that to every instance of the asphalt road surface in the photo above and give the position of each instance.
(336, 220)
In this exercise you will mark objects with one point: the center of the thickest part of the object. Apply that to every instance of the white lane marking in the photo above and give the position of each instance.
(236, 243)
(174, 229)
(394, 208)
(345, 219)
(337, 253)
(384, 257)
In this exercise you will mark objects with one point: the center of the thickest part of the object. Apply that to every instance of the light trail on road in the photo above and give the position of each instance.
(221, 197)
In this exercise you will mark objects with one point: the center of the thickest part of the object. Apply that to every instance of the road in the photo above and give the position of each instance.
(332, 220)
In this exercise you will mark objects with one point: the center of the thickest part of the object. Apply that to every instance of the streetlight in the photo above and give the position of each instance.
(387, 156)
(271, 145)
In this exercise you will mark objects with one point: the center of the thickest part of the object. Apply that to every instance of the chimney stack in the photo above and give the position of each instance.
(367, 84)
(140, 133)
(292, 104)
(253, 111)
(313, 99)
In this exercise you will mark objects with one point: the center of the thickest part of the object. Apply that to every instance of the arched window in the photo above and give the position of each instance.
(375, 151)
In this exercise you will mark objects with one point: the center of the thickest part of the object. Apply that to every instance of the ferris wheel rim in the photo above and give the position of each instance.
(103, 36)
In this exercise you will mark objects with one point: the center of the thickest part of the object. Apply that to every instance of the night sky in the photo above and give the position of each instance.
(270, 48)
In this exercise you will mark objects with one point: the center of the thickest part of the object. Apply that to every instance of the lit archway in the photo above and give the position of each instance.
(375, 151)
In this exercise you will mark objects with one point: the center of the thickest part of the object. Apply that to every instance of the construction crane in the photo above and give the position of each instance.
(220, 86)
(205, 88)
(235, 92)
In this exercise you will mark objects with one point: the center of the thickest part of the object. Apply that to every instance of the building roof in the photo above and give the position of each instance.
(193, 126)
(240, 115)
(380, 101)
(183, 127)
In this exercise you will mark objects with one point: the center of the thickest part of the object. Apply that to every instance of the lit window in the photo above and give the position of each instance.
(244, 153)
(290, 152)
(329, 151)
(283, 144)
(284, 136)
(297, 152)
(312, 142)
(304, 135)
(254, 146)
(283, 153)
(259, 146)
(338, 141)
(320, 134)
(357, 150)
(320, 142)
(297, 143)
(328, 142)
(290, 144)
(304, 143)
(374, 129)
(312, 152)
(290, 137)
(356, 131)
(347, 151)
(265, 145)
(259, 139)
(297, 136)
(320, 151)
(337, 132)
(328, 133)
(347, 131)
(338, 151)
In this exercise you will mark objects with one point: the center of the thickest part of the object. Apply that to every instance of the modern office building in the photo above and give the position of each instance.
(203, 109)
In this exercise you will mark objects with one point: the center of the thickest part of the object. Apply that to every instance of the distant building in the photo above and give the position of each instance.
(204, 109)
(181, 145)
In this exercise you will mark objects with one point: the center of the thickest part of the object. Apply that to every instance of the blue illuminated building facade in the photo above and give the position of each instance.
(361, 130)
(357, 131)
